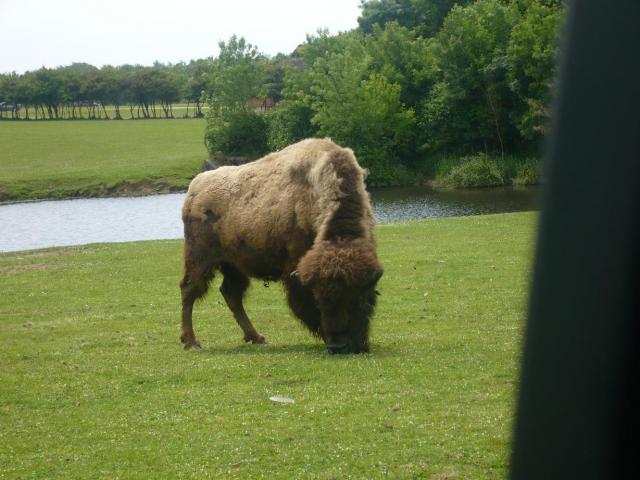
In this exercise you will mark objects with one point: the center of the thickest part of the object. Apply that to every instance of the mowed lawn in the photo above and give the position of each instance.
(94, 382)
(88, 158)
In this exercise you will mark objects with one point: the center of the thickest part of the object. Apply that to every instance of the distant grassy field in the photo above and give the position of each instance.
(94, 383)
(89, 158)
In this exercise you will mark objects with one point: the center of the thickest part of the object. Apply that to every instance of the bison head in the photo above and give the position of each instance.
(342, 276)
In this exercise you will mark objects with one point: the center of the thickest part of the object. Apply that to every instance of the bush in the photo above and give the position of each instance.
(384, 170)
(528, 173)
(473, 172)
(239, 133)
(288, 123)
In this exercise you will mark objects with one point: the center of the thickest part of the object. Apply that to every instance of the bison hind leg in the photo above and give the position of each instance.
(200, 263)
(193, 286)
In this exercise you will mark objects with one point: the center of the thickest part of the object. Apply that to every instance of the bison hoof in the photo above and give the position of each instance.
(191, 344)
(256, 339)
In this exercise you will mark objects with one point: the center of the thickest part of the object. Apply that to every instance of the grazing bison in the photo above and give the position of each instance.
(300, 215)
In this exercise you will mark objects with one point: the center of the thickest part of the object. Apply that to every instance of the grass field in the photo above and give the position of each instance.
(90, 158)
(94, 383)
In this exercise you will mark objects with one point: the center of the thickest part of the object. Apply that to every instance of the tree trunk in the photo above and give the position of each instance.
(495, 120)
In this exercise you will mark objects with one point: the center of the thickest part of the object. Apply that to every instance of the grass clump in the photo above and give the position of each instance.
(473, 172)
(528, 173)
(94, 382)
(477, 171)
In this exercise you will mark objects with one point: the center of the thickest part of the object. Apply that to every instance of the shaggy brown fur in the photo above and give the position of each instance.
(300, 215)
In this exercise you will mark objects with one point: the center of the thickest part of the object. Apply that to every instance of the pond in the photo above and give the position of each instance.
(25, 226)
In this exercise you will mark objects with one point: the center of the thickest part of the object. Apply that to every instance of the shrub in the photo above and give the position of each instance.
(288, 123)
(528, 173)
(473, 172)
(236, 133)
(384, 170)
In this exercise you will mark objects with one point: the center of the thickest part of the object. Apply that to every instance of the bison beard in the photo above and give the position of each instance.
(300, 215)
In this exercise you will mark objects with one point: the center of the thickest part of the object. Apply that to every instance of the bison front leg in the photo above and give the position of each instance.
(233, 287)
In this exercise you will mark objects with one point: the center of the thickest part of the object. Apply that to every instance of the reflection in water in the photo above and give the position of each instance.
(411, 203)
(26, 226)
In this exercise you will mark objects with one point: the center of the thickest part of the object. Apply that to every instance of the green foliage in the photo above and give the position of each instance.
(238, 75)
(467, 105)
(481, 170)
(528, 173)
(423, 16)
(474, 172)
(402, 58)
(90, 354)
(354, 104)
(288, 123)
(532, 59)
(242, 133)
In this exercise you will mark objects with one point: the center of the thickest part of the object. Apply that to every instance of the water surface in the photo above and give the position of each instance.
(25, 226)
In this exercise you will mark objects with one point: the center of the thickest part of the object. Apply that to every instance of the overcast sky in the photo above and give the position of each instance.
(50, 33)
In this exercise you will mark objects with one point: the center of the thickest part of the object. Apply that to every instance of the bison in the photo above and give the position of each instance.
(301, 216)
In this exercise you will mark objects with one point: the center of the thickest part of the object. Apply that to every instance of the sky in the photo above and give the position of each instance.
(51, 33)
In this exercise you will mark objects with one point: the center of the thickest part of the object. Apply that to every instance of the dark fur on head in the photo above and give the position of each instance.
(343, 276)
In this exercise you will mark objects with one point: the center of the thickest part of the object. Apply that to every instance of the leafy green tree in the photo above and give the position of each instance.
(403, 58)
(166, 90)
(238, 75)
(361, 109)
(196, 86)
(300, 67)
(237, 133)
(10, 92)
(287, 123)
(532, 56)
(469, 107)
(115, 88)
(48, 86)
(423, 16)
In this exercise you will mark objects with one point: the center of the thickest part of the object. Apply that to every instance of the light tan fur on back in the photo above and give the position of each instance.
(291, 192)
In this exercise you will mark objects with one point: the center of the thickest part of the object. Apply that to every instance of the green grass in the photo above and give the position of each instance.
(91, 158)
(94, 383)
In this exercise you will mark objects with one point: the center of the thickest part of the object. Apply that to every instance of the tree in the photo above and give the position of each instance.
(287, 123)
(362, 109)
(238, 75)
(470, 103)
(48, 86)
(403, 58)
(423, 16)
(199, 73)
(532, 56)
